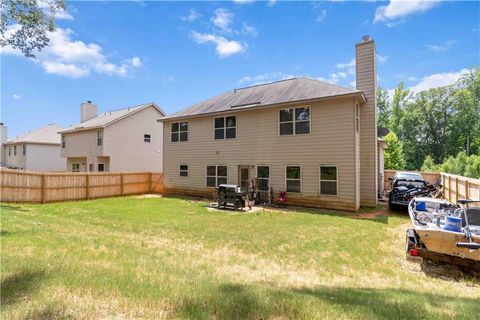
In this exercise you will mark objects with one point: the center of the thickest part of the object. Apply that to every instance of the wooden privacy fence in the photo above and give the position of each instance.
(21, 186)
(458, 187)
(454, 187)
(430, 177)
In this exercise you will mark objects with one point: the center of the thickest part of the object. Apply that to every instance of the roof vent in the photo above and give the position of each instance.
(366, 38)
(89, 101)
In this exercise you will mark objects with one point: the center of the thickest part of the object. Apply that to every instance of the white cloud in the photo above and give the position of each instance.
(265, 77)
(243, 1)
(321, 15)
(381, 58)
(222, 19)
(16, 96)
(64, 69)
(192, 16)
(441, 47)
(271, 3)
(75, 58)
(348, 66)
(61, 14)
(396, 10)
(438, 80)
(224, 47)
(249, 30)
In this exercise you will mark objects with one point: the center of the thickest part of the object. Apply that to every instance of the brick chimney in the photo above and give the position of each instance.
(366, 81)
(87, 111)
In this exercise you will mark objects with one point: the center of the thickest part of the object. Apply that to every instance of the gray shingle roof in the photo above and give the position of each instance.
(290, 90)
(47, 134)
(109, 117)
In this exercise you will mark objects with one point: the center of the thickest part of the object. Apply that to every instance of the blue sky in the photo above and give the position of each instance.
(120, 54)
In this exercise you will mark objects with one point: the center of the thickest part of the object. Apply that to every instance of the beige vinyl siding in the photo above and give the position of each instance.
(331, 141)
(17, 160)
(124, 142)
(82, 144)
(366, 81)
(44, 157)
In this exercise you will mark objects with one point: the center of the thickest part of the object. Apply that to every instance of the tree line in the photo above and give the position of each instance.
(437, 129)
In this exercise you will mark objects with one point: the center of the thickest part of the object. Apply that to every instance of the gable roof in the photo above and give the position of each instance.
(283, 91)
(107, 118)
(44, 135)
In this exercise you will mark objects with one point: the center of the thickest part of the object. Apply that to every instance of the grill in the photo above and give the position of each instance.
(230, 196)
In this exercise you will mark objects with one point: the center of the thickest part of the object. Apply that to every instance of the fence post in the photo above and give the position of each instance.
(467, 189)
(87, 186)
(121, 185)
(150, 182)
(43, 189)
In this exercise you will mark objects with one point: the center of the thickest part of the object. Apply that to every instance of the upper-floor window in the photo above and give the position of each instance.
(99, 137)
(24, 149)
(179, 131)
(14, 150)
(226, 127)
(294, 121)
(147, 138)
(328, 180)
(64, 143)
(9, 151)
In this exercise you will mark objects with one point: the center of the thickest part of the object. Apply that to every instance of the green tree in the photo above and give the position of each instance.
(383, 108)
(25, 24)
(429, 165)
(399, 101)
(394, 158)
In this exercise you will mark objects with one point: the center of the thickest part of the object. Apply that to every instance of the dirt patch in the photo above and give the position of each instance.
(373, 215)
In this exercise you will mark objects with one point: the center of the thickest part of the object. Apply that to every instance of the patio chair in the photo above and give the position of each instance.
(281, 200)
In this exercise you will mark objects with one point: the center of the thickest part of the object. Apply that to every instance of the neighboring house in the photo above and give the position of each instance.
(3, 141)
(38, 150)
(129, 139)
(313, 139)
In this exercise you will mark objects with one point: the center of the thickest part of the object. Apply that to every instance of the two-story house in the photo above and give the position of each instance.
(315, 140)
(37, 150)
(128, 139)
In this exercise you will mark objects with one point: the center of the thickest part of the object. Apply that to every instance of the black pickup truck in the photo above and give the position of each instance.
(406, 186)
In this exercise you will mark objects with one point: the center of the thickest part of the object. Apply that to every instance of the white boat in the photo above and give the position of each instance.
(443, 231)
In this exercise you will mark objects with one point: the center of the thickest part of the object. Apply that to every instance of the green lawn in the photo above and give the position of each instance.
(137, 258)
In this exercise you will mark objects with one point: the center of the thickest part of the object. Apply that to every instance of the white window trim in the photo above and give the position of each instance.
(269, 172)
(64, 142)
(293, 121)
(216, 176)
(180, 131)
(320, 180)
(225, 127)
(301, 178)
(180, 170)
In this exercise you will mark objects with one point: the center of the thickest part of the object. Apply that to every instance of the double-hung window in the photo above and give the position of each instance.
(183, 170)
(263, 177)
(64, 143)
(99, 137)
(216, 175)
(328, 180)
(294, 121)
(226, 128)
(9, 151)
(14, 150)
(293, 179)
(24, 149)
(179, 131)
(147, 138)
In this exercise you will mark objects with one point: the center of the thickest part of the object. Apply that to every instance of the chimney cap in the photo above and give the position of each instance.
(367, 38)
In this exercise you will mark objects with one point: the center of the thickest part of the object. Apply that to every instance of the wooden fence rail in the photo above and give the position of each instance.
(38, 187)
(454, 187)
